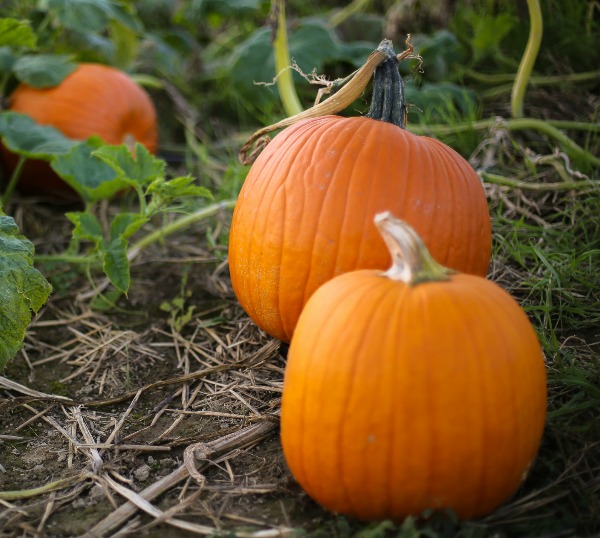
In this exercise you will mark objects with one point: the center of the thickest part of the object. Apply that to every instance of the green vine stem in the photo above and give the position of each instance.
(12, 182)
(531, 51)
(549, 128)
(526, 185)
(540, 80)
(147, 240)
(285, 82)
(153, 237)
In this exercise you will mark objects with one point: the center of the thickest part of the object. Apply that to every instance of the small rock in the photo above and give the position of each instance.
(142, 472)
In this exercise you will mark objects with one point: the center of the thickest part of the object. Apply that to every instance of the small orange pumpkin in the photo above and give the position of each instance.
(305, 211)
(414, 389)
(94, 99)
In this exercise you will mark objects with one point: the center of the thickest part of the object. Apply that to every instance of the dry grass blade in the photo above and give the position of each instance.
(245, 437)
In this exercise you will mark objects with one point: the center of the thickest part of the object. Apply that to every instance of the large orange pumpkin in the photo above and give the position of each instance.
(94, 99)
(411, 390)
(305, 211)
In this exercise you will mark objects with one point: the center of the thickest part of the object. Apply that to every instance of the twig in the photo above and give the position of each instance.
(243, 438)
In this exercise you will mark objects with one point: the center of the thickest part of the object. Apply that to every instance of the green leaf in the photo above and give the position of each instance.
(16, 33)
(312, 45)
(124, 225)
(43, 70)
(141, 168)
(87, 227)
(23, 289)
(92, 178)
(179, 187)
(116, 263)
(7, 59)
(490, 31)
(82, 15)
(21, 134)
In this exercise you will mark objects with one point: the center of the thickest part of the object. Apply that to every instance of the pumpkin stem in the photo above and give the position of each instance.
(388, 102)
(411, 261)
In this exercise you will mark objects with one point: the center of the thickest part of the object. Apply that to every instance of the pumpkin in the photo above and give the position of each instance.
(305, 211)
(94, 99)
(415, 389)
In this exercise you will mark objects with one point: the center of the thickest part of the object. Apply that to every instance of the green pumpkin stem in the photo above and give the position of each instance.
(388, 102)
(411, 261)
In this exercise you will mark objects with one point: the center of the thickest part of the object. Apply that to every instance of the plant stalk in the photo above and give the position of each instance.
(14, 180)
(531, 51)
(285, 82)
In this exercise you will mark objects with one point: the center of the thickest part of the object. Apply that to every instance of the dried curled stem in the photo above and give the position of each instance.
(347, 94)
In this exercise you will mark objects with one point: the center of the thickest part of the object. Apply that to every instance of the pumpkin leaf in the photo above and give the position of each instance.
(21, 134)
(81, 15)
(87, 227)
(312, 46)
(43, 70)
(23, 289)
(116, 263)
(7, 59)
(179, 187)
(140, 168)
(124, 225)
(16, 33)
(91, 177)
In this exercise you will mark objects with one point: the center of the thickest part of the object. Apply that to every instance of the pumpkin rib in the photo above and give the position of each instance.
(529, 366)
(355, 297)
(256, 300)
(377, 414)
(325, 211)
(322, 132)
(461, 299)
(358, 353)
(483, 388)
(483, 228)
(370, 206)
(400, 314)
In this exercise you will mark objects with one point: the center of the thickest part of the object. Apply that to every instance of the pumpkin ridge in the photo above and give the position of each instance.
(399, 313)
(518, 433)
(448, 182)
(370, 199)
(318, 137)
(510, 397)
(321, 340)
(255, 301)
(320, 132)
(328, 200)
(358, 354)
(460, 297)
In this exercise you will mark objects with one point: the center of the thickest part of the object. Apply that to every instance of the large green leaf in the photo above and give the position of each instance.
(92, 178)
(16, 33)
(7, 59)
(43, 70)
(82, 15)
(21, 134)
(23, 289)
(312, 45)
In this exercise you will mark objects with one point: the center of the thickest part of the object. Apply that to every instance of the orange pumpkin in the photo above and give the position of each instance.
(94, 99)
(414, 389)
(305, 211)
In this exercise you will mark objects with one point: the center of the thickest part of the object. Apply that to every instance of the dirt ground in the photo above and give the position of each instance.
(109, 398)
